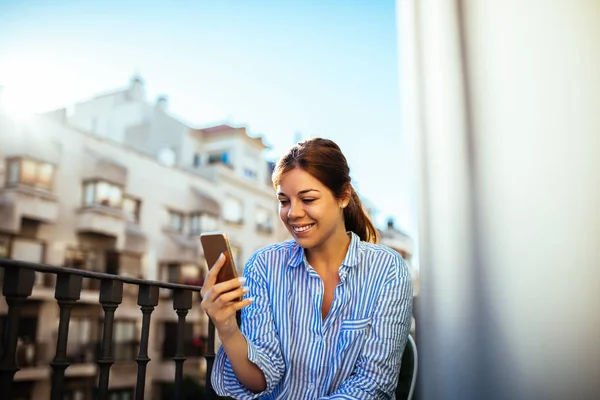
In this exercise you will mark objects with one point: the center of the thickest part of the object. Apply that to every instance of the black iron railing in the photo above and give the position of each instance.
(19, 277)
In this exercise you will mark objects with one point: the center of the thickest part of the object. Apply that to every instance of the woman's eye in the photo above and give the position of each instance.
(283, 202)
(308, 200)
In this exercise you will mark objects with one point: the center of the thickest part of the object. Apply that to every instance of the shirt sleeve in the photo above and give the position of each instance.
(376, 372)
(258, 328)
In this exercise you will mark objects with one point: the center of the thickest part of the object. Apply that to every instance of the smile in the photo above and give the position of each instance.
(302, 228)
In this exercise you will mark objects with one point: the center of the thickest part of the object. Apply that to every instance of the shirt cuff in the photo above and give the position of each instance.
(226, 383)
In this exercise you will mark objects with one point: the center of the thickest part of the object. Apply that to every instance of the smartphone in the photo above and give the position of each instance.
(213, 244)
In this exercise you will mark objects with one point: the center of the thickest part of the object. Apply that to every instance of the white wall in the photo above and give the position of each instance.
(109, 116)
(503, 98)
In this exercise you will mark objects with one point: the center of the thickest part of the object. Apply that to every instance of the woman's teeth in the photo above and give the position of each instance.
(302, 228)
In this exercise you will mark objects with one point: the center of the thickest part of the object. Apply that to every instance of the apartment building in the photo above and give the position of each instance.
(120, 186)
(397, 239)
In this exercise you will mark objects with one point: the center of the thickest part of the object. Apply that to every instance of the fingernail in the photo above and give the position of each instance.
(221, 256)
(250, 299)
(245, 289)
(242, 279)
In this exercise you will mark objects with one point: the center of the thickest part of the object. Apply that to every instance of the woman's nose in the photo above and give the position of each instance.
(295, 210)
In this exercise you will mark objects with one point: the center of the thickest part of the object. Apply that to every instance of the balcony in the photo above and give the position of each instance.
(18, 202)
(179, 248)
(102, 220)
(135, 240)
(33, 357)
(17, 287)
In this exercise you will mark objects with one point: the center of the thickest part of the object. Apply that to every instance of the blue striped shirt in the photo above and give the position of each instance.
(354, 353)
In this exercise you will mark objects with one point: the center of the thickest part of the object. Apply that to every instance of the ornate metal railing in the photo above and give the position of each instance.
(18, 284)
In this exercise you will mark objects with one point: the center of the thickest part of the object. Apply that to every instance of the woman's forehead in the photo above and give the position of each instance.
(295, 181)
(297, 176)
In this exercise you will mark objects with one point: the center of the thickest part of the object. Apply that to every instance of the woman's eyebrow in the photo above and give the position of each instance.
(299, 193)
(307, 190)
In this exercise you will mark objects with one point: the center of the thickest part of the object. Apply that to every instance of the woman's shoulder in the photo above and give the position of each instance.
(381, 250)
(384, 257)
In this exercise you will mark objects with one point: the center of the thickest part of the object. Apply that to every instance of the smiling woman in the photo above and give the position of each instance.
(325, 315)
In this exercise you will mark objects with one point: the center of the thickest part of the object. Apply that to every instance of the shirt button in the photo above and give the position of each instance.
(311, 386)
(318, 339)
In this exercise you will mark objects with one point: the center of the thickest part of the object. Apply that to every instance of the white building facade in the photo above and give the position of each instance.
(120, 186)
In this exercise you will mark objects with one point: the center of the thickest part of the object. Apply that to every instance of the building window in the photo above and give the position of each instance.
(74, 394)
(202, 222)
(87, 260)
(120, 394)
(197, 160)
(4, 250)
(264, 220)
(4, 246)
(102, 193)
(250, 174)
(25, 171)
(30, 250)
(81, 259)
(169, 346)
(233, 210)
(220, 158)
(131, 209)
(81, 344)
(174, 221)
(124, 340)
(188, 274)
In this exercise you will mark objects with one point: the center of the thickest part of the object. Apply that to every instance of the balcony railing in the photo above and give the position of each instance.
(83, 354)
(19, 277)
(31, 354)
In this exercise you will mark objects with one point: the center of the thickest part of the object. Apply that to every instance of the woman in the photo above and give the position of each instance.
(325, 315)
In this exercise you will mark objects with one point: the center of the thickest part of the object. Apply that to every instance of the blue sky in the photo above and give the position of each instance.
(315, 67)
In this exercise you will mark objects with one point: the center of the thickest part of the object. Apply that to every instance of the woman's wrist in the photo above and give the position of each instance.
(228, 334)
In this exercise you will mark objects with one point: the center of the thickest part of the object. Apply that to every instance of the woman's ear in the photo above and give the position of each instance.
(345, 199)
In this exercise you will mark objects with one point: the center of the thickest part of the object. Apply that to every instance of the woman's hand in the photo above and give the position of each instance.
(220, 300)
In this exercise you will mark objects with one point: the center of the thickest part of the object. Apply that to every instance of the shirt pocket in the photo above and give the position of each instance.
(355, 324)
(352, 334)
(351, 340)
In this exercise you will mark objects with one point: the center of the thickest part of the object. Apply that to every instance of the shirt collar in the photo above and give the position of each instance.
(297, 256)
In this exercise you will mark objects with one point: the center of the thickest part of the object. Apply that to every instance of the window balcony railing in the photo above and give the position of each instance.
(82, 354)
(31, 354)
(18, 283)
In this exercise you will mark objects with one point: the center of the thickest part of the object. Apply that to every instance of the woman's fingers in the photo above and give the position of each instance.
(232, 295)
(228, 312)
(213, 272)
(220, 288)
(241, 304)
(221, 300)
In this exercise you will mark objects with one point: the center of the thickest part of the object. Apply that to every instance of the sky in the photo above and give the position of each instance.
(284, 69)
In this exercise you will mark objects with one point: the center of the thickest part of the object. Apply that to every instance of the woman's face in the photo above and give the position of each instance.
(308, 209)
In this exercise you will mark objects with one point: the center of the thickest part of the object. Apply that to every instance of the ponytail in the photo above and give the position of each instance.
(357, 220)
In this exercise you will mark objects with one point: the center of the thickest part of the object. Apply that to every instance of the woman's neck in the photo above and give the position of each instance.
(329, 255)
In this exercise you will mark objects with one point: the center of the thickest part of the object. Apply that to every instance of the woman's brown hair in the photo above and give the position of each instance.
(323, 159)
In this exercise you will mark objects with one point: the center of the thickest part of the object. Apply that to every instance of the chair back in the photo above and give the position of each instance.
(408, 371)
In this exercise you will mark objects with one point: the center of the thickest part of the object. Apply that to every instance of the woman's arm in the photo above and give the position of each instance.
(219, 302)
(254, 347)
(247, 372)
